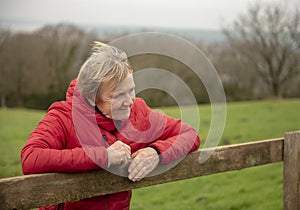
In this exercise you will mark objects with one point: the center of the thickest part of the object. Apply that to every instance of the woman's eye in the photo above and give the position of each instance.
(117, 96)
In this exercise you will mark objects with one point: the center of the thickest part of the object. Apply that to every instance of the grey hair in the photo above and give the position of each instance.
(105, 64)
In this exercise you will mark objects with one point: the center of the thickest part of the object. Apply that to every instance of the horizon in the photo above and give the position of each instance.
(193, 34)
(191, 14)
(15, 23)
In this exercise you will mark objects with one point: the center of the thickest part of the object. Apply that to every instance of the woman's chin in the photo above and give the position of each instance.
(121, 115)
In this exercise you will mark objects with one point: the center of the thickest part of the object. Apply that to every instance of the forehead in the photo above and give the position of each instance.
(109, 88)
(127, 83)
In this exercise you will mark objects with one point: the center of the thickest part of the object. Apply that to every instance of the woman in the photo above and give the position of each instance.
(101, 125)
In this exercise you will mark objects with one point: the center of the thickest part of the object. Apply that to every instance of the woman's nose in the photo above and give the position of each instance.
(129, 100)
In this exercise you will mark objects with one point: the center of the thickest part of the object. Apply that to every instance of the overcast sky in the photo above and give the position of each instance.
(198, 14)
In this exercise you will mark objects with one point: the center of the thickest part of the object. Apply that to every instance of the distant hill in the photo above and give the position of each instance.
(193, 35)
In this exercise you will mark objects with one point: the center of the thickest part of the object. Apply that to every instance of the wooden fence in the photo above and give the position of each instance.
(30, 191)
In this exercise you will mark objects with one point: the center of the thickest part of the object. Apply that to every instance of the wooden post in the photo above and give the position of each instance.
(291, 171)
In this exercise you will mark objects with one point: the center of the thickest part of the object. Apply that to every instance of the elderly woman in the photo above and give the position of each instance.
(101, 125)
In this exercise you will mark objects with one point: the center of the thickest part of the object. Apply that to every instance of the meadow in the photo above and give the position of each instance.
(254, 188)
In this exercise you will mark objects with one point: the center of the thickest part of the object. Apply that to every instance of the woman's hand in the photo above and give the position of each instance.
(144, 161)
(118, 153)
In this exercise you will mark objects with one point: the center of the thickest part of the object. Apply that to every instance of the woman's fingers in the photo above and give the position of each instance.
(144, 161)
(141, 163)
(118, 153)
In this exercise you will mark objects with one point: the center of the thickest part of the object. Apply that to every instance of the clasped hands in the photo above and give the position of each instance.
(141, 163)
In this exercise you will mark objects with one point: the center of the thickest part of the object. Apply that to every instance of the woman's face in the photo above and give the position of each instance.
(116, 104)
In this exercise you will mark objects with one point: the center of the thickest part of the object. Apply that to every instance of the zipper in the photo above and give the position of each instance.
(60, 206)
(105, 202)
(105, 140)
(105, 145)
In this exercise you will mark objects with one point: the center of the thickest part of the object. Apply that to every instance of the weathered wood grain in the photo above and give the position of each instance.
(291, 177)
(32, 191)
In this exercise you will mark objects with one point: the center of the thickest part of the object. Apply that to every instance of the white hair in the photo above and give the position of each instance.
(106, 64)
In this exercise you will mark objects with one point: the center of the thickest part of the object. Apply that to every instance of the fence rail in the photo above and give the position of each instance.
(30, 191)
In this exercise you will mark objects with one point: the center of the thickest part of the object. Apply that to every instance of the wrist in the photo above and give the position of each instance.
(158, 153)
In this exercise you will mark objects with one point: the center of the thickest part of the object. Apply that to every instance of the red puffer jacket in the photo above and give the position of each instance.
(73, 136)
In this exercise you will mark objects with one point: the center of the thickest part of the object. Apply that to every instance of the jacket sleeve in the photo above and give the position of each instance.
(177, 139)
(45, 150)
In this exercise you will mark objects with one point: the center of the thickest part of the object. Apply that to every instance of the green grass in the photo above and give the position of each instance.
(254, 188)
(15, 127)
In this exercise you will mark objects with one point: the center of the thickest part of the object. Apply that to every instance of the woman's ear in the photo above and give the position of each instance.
(91, 102)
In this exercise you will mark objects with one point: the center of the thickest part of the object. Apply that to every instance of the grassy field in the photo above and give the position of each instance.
(254, 188)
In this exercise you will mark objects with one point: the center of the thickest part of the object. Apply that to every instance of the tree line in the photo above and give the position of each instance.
(260, 58)
(37, 67)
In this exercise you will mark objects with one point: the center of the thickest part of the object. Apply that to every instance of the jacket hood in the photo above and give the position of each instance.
(70, 91)
(82, 110)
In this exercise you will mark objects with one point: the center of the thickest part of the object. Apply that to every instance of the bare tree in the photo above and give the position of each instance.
(267, 38)
(65, 47)
(37, 67)
(4, 36)
(22, 67)
(239, 82)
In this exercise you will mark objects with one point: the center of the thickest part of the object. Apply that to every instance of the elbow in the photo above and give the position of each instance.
(27, 162)
(192, 138)
(196, 140)
(195, 143)
(26, 170)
